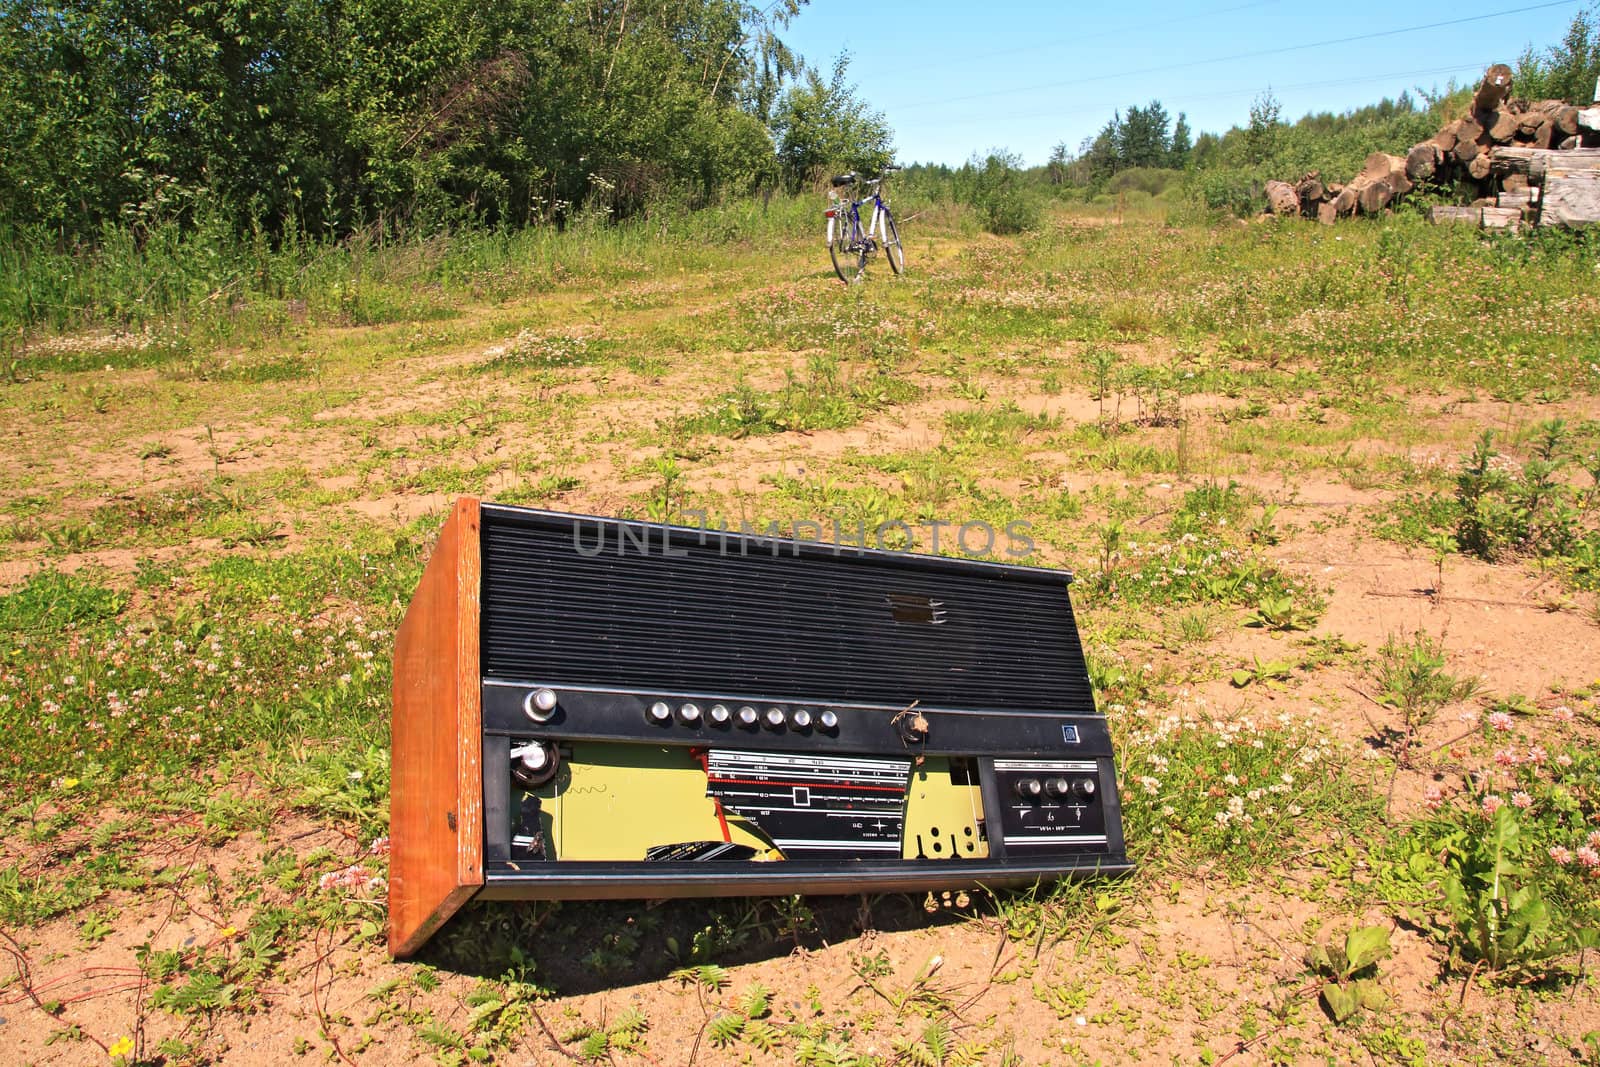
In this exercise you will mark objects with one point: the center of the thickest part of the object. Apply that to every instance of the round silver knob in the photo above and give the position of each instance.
(1028, 788)
(774, 717)
(540, 705)
(748, 716)
(689, 713)
(829, 720)
(720, 714)
(533, 763)
(660, 711)
(801, 719)
(1058, 787)
(1086, 788)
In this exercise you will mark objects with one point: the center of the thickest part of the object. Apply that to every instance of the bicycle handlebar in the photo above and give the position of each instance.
(853, 177)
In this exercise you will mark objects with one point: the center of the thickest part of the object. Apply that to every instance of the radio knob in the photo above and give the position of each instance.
(829, 720)
(689, 713)
(774, 718)
(660, 711)
(1086, 788)
(1028, 788)
(748, 716)
(1058, 787)
(533, 763)
(540, 705)
(801, 719)
(720, 714)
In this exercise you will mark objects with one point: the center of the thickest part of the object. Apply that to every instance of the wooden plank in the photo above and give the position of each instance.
(1442, 213)
(436, 741)
(1571, 199)
(1535, 161)
(1502, 218)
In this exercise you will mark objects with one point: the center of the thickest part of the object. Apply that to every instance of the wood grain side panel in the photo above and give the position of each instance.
(436, 789)
(469, 697)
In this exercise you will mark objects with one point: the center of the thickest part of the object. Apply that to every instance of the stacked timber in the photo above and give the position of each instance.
(1382, 178)
(1517, 161)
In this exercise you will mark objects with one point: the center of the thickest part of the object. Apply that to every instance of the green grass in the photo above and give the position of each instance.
(249, 667)
(215, 539)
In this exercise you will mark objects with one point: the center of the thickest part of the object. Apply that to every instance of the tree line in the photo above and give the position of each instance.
(1224, 167)
(1138, 137)
(322, 117)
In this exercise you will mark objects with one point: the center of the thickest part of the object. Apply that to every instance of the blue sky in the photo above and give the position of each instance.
(959, 78)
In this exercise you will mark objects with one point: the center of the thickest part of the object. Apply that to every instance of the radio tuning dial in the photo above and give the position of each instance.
(748, 716)
(660, 711)
(720, 714)
(533, 763)
(1028, 788)
(774, 718)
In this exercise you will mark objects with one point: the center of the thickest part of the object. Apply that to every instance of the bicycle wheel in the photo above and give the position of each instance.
(848, 250)
(891, 244)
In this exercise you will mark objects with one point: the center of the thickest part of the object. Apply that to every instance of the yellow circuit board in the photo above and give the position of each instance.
(615, 802)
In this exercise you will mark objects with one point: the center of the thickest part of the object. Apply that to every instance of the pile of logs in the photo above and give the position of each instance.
(1517, 161)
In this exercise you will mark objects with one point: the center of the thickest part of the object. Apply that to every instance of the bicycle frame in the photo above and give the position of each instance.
(877, 226)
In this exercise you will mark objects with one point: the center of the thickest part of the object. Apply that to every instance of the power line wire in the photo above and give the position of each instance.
(1240, 55)
(1081, 113)
(1154, 24)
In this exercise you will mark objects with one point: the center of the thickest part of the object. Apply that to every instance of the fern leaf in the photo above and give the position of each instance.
(914, 1053)
(724, 1029)
(756, 1002)
(580, 1032)
(968, 1053)
(439, 1036)
(632, 1021)
(834, 1054)
(763, 1035)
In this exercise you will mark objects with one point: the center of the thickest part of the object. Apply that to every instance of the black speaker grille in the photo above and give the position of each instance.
(814, 626)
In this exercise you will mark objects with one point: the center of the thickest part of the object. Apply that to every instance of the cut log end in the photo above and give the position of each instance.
(1494, 89)
(1422, 161)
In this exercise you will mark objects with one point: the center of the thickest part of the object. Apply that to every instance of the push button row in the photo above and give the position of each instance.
(748, 716)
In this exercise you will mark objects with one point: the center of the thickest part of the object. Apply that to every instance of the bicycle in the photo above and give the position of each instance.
(849, 244)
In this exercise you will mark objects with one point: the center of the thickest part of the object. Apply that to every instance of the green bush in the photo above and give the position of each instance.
(1505, 875)
(1510, 511)
(1151, 180)
(997, 190)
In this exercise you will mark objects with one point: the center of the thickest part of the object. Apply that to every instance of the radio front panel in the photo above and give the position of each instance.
(658, 711)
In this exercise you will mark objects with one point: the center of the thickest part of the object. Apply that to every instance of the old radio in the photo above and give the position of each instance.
(596, 708)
